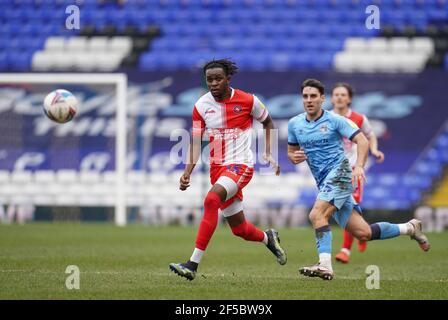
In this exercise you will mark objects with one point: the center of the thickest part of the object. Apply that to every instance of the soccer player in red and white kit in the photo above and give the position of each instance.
(341, 98)
(226, 114)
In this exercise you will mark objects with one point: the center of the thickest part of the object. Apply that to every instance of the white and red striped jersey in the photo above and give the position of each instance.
(228, 124)
(350, 148)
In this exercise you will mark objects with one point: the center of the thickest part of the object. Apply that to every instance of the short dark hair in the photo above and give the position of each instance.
(345, 85)
(314, 84)
(228, 66)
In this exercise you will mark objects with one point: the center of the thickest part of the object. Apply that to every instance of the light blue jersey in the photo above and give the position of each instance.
(321, 139)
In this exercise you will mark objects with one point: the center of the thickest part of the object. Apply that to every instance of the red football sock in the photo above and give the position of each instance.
(248, 231)
(348, 240)
(209, 221)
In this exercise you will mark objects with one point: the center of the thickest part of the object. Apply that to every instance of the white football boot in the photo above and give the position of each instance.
(418, 235)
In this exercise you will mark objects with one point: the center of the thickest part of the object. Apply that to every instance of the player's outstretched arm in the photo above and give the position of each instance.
(295, 154)
(268, 125)
(194, 151)
(373, 143)
(358, 175)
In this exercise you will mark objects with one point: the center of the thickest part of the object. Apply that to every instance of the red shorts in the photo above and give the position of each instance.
(239, 173)
(358, 192)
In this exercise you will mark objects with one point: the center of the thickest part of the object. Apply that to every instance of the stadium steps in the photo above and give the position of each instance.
(382, 54)
(141, 36)
(436, 30)
(284, 28)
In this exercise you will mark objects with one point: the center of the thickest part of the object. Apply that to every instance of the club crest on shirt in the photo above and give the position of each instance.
(323, 128)
(237, 109)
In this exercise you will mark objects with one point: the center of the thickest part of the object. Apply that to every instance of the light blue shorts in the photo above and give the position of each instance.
(337, 189)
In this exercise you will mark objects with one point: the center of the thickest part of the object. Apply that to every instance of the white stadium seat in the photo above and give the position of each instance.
(384, 55)
(343, 61)
(85, 61)
(422, 44)
(44, 176)
(108, 177)
(399, 44)
(42, 61)
(67, 176)
(55, 44)
(76, 44)
(66, 200)
(97, 44)
(365, 62)
(21, 177)
(89, 177)
(138, 177)
(44, 200)
(158, 177)
(355, 45)
(387, 62)
(378, 45)
(120, 44)
(4, 177)
(109, 62)
(414, 62)
(63, 61)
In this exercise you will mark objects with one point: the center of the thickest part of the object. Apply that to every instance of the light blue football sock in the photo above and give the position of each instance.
(323, 239)
(384, 230)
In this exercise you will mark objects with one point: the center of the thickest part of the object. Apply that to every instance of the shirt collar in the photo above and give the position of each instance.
(323, 111)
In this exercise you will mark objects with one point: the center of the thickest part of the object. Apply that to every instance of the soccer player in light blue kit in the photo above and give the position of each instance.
(315, 136)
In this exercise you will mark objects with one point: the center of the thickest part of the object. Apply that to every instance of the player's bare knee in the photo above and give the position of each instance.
(314, 215)
(363, 234)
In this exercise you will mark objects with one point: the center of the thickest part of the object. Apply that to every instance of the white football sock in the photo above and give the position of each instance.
(265, 239)
(325, 260)
(197, 255)
(406, 228)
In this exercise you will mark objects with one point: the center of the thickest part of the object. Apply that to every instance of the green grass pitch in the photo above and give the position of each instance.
(132, 263)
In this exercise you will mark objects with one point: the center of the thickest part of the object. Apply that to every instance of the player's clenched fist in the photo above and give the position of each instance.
(184, 181)
(298, 156)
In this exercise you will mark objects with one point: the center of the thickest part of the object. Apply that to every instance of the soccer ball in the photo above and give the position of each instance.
(60, 106)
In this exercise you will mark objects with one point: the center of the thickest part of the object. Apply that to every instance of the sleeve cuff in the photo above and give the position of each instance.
(293, 144)
(263, 116)
(355, 134)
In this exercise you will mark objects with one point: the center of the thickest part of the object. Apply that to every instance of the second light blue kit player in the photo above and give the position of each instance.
(315, 136)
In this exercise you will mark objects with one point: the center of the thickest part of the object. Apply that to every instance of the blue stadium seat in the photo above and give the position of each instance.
(257, 61)
(225, 17)
(281, 62)
(5, 42)
(302, 61)
(418, 181)
(307, 197)
(388, 180)
(149, 62)
(432, 168)
(321, 60)
(234, 30)
(19, 60)
(4, 63)
(286, 24)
